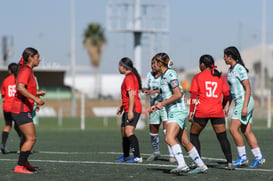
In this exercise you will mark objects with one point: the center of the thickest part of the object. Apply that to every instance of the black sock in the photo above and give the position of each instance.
(223, 140)
(125, 146)
(134, 145)
(195, 141)
(5, 136)
(23, 157)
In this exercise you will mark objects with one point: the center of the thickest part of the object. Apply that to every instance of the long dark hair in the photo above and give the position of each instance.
(128, 64)
(208, 61)
(28, 52)
(163, 58)
(235, 54)
(13, 67)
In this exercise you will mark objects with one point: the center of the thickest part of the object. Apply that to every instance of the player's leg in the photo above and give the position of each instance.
(171, 133)
(193, 153)
(219, 127)
(239, 141)
(5, 131)
(253, 143)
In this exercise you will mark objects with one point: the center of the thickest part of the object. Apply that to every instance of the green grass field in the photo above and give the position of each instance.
(67, 153)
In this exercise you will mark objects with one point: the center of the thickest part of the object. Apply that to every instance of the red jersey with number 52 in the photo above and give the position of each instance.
(209, 90)
(8, 90)
(130, 83)
(22, 103)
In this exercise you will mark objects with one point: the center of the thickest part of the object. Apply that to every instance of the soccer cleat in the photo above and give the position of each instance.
(257, 162)
(202, 169)
(172, 160)
(3, 149)
(134, 160)
(29, 167)
(180, 169)
(230, 166)
(21, 169)
(153, 157)
(192, 165)
(121, 158)
(240, 162)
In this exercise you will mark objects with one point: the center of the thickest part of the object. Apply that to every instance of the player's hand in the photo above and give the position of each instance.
(130, 116)
(119, 111)
(226, 110)
(39, 101)
(152, 109)
(244, 111)
(159, 105)
(41, 93)
(190, 117)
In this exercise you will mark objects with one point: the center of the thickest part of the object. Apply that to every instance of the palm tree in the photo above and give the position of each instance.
(94, 41)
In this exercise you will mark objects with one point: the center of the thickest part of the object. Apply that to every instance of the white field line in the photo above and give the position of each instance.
(113, 163)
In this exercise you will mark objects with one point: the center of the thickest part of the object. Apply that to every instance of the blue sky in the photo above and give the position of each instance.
(196, 27)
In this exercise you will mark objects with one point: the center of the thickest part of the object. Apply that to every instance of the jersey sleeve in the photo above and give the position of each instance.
(242, 73)
(225, 86)
(130, 83)
(23, 76)
(173, 80)
(194, 84)
(3, 92)
(146, 82)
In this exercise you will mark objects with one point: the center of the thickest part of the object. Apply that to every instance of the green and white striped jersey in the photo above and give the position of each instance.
(169, 80)
(235, 77)
(153, 83)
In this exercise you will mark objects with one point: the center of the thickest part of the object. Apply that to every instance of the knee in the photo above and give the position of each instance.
(31, 138)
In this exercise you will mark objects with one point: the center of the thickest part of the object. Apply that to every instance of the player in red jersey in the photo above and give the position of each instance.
(22, 107)
(8, 90)
(131, 109)
(208, 88)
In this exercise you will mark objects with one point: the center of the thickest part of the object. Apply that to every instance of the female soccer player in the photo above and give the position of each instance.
(151, 87)
(25, 97)
(244, 104)
(207, 90)
(8, 90)
(131, 109)
(177, 112)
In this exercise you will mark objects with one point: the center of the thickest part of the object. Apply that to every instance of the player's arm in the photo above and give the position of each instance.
(20, 87)
(247, 87)
(193, 101)
(131, 94)
(177, 94)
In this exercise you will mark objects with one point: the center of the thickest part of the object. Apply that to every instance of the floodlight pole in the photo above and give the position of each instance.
(263, 51)
(73, 57)
(137, 36)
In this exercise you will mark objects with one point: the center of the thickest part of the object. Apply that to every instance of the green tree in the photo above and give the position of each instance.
(94, 41)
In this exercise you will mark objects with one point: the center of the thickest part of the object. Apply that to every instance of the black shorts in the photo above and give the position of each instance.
(214, 121)
(7, 116)
(126, 122)
(22, 118)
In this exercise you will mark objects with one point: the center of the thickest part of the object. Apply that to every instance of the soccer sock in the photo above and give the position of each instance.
(176, 149)
(194, 138)
(23, 157)
(125, 146)
(155, 142)
(196, 157)
(223, 140)
(169, 148)
(5, 136)
(134, 145)
(242, 152)
(257, 153)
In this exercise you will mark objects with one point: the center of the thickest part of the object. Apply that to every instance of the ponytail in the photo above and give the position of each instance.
(235, 54)
(128, 64)
(208, 61)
